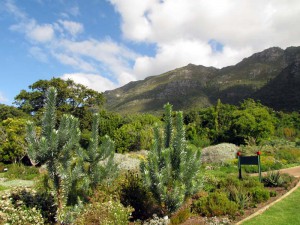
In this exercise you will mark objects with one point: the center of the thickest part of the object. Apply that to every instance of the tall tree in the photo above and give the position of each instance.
(98, 172)
(56, 148)
(70, 168)
(171, 172)
(7, 111)
(72, 98)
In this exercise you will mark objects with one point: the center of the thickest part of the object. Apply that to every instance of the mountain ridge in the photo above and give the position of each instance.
(199, 86)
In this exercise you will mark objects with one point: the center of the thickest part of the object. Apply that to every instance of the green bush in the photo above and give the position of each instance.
(216, 204)
(19, 171)
(134, 194)
(240, 196)
(259, 194)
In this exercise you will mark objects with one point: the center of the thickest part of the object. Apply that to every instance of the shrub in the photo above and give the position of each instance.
(259, 194)
(291, 155)
(134, 194)
(273, 179)
(181, 216)
(216, 204)
(105, 213)
(240, 196)
(172, 170)
(40, 201)
(210, 182)
(18, 214)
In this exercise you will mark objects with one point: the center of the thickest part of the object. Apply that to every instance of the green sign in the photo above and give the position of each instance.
(249, 160)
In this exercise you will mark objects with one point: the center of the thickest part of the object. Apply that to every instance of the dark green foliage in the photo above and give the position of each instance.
(215, 204)
(135, 133)
(41, 201)
(7, 111)
(134, 194)
(72, 98)
(172, 170)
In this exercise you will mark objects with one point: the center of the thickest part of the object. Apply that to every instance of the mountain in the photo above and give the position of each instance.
(271, 76)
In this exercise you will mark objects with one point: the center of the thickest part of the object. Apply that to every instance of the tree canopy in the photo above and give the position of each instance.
(72, 98)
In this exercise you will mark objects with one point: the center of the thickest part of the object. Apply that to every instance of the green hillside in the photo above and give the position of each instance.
(267, 76)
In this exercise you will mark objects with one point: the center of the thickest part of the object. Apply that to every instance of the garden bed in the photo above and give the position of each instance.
(280, 191)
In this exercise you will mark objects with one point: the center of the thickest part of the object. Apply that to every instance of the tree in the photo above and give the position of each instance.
(7, 111)
(70, 168)
(56, 148)
(251, 120)
(95, 154)
(72, 98)
(12, 142)
(171, 172)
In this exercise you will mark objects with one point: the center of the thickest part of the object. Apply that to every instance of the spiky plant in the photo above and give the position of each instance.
(171, 172)
(57, 148)
(99, 159)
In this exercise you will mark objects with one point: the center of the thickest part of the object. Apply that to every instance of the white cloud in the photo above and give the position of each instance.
(38, 54)
(3, 99)
(111, 57)
(41, 33)
(72, 27)
(182, 30)
(93, 81)
(74, 61)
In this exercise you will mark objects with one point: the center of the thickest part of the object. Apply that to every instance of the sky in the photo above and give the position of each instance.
(104, 44)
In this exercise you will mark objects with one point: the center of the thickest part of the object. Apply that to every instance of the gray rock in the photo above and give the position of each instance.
(220, 153)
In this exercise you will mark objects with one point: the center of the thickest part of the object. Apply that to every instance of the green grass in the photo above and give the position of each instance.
(17, 183)
(285, 212)
(2, 188)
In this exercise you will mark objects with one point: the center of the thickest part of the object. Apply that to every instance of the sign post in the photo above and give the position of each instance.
(249, 160)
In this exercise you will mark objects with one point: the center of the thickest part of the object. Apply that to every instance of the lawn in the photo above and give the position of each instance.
(285, 212)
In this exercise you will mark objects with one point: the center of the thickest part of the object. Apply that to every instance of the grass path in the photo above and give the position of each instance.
(285, 212)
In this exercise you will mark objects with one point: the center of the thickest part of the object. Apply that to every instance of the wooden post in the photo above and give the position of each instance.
(259, 167)
(239, 165)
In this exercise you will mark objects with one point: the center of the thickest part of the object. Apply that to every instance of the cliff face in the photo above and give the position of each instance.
(263, 76)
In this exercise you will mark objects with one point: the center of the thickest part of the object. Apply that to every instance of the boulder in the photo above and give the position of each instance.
(220, 153)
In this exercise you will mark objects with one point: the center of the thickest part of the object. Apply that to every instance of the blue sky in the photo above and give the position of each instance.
(105, 44)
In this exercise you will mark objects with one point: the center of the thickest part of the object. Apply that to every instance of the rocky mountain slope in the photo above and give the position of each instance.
(271, 76)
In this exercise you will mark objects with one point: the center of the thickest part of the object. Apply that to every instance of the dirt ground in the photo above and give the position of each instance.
(294, 171)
